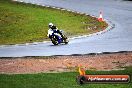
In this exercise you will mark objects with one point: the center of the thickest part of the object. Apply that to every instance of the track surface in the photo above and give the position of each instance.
(118, 39)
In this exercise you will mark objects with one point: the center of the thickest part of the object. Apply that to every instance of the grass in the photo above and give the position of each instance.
(57, 80)
(21, 23)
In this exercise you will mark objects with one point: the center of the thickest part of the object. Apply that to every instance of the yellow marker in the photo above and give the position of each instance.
(81, 71)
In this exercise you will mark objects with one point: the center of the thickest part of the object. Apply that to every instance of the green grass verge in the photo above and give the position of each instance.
(20, 23)
(57, 80)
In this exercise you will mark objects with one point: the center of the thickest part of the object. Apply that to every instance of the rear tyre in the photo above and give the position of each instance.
(65, 39)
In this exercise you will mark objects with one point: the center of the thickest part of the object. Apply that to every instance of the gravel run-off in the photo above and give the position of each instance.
(23, 65)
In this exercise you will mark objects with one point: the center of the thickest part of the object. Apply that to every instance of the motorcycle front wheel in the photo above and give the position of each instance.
(54, 41)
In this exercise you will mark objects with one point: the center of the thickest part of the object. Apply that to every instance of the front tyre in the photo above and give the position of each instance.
(54, 41)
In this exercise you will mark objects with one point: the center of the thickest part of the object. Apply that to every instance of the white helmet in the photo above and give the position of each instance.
(50, 24)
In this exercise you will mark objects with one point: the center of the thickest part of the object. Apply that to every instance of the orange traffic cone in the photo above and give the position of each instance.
(100, 17)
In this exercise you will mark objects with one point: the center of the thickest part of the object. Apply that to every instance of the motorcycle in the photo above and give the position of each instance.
(57, 39)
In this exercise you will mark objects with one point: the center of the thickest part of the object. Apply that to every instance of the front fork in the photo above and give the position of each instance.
(58, 39)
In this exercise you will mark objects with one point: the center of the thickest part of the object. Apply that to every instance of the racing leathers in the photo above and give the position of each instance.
(53, 30)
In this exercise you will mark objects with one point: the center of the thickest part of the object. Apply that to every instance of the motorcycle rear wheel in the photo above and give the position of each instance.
(65, 39)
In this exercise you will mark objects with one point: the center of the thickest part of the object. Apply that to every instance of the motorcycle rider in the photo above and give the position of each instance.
(53, 29)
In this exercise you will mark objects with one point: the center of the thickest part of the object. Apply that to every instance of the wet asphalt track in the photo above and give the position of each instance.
(118, 39)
